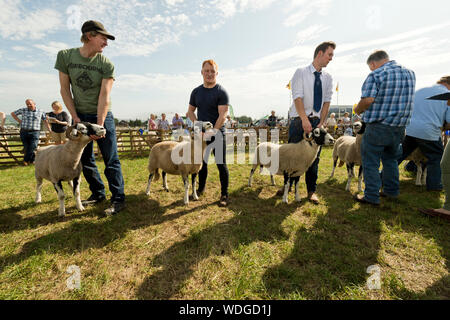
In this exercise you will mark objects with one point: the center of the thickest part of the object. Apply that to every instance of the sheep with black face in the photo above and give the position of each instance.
(294, 159)
(59, 163)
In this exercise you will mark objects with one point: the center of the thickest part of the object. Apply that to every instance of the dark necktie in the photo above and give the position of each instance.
(317, 92)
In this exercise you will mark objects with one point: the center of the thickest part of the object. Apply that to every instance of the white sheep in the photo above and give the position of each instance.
(162, 157)
(58, 163)
(348, 150)
(294, 159)
(420, 161)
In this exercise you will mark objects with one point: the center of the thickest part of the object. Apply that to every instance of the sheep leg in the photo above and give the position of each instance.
(424, 176)
(194, 186)
(272, 180)
(297, 195)
(360, 178)
(150, 177)
(286, 187)
(350, 174)
(261, 169)
(39, 182)
(186, 189)
(334, 167)
(61, 198)
(164, 176)
(251, 175)
(419, 175)
(76, 193)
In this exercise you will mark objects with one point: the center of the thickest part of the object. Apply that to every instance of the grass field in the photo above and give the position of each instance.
(256, 248)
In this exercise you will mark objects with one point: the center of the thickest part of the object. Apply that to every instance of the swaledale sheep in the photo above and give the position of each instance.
(294, 159)
(59, 163)
(348, 150)
(421, 163)
(162, 157)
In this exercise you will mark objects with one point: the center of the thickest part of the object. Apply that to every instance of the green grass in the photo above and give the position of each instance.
(256, 248)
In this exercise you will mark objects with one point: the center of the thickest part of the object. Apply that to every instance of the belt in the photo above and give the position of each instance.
(25, 130)
(310, 118)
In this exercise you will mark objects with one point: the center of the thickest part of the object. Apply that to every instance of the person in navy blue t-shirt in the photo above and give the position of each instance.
(211, 102)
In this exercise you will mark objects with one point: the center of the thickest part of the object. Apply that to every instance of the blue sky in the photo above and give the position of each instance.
(258, 45)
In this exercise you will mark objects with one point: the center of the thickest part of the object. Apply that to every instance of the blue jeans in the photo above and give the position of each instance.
(296, 135)
(433, 151)
(30, 140)
(381, 142)
(113, 169)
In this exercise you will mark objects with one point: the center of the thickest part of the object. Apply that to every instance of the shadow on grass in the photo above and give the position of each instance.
(82, 235)
(253, 221)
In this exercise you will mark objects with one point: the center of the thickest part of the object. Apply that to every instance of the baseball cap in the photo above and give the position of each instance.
(92, 25)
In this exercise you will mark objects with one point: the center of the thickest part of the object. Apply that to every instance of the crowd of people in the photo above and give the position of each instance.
(387, 102)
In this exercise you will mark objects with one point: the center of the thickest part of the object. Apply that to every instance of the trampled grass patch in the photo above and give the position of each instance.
(256, 248)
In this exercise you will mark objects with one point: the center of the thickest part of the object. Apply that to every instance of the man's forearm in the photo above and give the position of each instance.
(68, 101)
(363, 105)
(300, 107)
(191, 115)
(15, 117)
(102, 109)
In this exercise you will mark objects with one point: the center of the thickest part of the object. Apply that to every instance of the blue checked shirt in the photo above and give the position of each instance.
(31, 120)
(392, 86)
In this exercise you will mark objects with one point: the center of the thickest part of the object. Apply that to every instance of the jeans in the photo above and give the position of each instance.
(445, 167)
(108, 149)
(433, 151)
(30, 140)
(381, 142)
(296, 135)
(220, 157)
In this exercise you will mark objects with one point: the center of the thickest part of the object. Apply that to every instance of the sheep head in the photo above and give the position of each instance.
(320, 136)
(359, 127)
(83, 130)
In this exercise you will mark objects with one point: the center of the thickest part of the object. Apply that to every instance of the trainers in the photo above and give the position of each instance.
(115, 208)
(92, 200)
(223, 201)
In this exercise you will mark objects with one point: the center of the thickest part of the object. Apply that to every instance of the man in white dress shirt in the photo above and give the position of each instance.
(312, 89)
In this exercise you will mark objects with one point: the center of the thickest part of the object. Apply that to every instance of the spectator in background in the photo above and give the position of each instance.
(163, 124)
(2, 121)
(272, 121)
(177, 122)
(347, 121)
(340, 127)
(59, 121)
(152, 122)
(331, 123)
(424, 131)
(30, 127)
(443, 212)
(229, 123)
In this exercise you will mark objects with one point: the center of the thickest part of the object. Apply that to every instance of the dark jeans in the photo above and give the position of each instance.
(296, 135)
(433, 151)
(108, 149)
(30, 140)
(220, 157)
(381, 143)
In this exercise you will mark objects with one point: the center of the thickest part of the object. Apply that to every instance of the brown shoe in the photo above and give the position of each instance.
(360, 198)
(313, 198)
(25, 163)
(223, 201)
(434, 213)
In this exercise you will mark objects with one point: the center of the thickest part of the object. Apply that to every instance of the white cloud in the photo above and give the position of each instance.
(52, 47)
(173, 2)
(16, 23)
(310, 33)
(19, 48)
(303, 9)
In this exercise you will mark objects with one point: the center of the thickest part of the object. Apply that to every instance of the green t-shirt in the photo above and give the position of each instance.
(86, 75)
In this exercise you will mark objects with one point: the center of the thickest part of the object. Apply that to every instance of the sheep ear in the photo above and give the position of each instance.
(69, 132)
(317, 132)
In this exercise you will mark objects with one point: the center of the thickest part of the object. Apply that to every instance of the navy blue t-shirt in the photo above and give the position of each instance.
(207, 100)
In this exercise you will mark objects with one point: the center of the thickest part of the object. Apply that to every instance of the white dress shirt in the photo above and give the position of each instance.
(302, 85)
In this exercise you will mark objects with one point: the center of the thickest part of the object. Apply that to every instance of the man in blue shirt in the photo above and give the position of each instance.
(424, 131)
(30, 127)
(386, 100)
(210, 100)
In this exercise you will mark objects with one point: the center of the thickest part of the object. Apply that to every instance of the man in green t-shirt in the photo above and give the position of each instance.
(86, 78)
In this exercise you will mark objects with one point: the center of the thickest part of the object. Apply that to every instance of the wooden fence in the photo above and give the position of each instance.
(130, 142)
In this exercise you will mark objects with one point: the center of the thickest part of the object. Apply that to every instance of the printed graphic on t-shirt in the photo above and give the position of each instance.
(84, 81)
